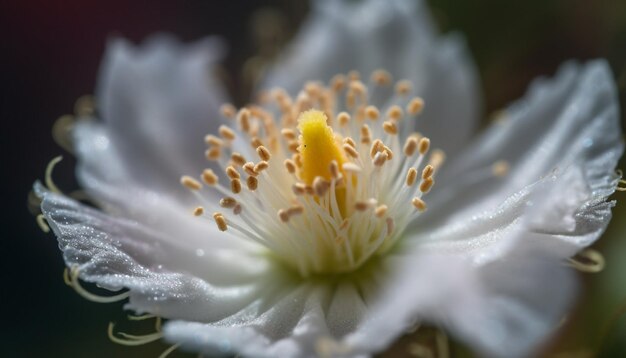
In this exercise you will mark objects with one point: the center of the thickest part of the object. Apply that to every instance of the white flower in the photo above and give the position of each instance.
(349, 266)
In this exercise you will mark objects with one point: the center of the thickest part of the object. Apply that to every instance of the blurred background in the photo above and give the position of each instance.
(51, 51)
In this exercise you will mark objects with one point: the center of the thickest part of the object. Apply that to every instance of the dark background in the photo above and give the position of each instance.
(50, 56)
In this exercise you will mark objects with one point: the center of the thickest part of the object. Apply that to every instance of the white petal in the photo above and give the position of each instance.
(167, 276)
(502, 309)
(397, 36)
(565, 135)
(157, 101)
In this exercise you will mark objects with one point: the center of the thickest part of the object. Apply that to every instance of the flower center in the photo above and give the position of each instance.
(334, 185)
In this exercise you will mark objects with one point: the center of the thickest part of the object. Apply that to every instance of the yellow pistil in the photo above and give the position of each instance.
(318, 147)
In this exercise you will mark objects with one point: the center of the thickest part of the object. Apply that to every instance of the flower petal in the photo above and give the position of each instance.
(562, 144)
(166, 276)
(157, 101)
(397, 36)
(502, 309)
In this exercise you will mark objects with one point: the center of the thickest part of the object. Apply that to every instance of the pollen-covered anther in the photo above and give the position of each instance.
(366, 134)
(395, 112)
(381, 211)
(351, 167)
(220, 220)
(299, 188)
(372, 112)
(390, 127)
(232, 173)
(288, 133)
(381, 77)
(290, 166)
(437, 157)
(424, 145)
(255, 142)
(210, 139)
(411, 176)
(243, 117)
(410, 146)
(500, 168)
(343, 118)
(403, 87)
(228, 202)
(248, 167)
(334, 169)
(321, 186)
(415, 106)
(214, 153)
(252, 183)
(377, 146)
(380, 158)
(263, 153)
(428, 171)
(261, 166)
(228, 110)
(235, 186)
(209, 177)
(190, 183)
(238, 158)
(198, 211)
(426, 184)
(226, 133)
(295, 210)
(419, 204)
(283, 215)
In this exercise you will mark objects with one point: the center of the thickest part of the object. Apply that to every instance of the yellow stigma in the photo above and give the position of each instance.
(318, 146)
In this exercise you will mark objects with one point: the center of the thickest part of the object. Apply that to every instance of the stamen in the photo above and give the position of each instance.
(226, 133)
(410, 146)
(261, 166)
(228, 202)
(372, 112)
(381, 211)
(209, 177)
(500, 168)
(190, 183)
(390, 127)
(199, 211)
(404, 87)
(238, 159)
(411, 175)
(249, 169)
(381, 77)
(424, 145)
(426, 184)
(235, 186)
(428, 171)
(228, 110)
(210, 139)
(263, 153)
(232, 173)
(252, 183)
(220, 220)
(419, 204)
(394, 112)
(415, 106)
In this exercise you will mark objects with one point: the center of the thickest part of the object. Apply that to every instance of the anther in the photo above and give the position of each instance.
(220, 220)
(288, 133)
(298, 188)
(238, 159)
(350, 151)
(237, 209)
(249, 169)
(290, 166)
(283, 215)
(210, 139)
(500, 168)
(226, 132)
(235, 186)
(410, 146)
(389, 152)
(243, 117)
(293, 146)
(232, 172)
(321, 186)
(351, 167)
(261, 166)
(372, 112)
(419, 204)
(338, 82)
(394, 112)
(209, 177)
(437, 157)
(263, 153)
(390, 127)
(380, 211)
(381, 77)
(295, 210)
(190, 183)
(411, 175)
(379, 159)
(428, 171)
(377, 146)
(366, 134)
(424, 145)
(252, 182)
(426, 184)
(213, 154)
(343, 118)
(415, 106)
(362, 205)
(228, 202)
(403, 87)
(350, 142)
(228, 110)
(255, 142)
(198, 211)
(354, 75)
